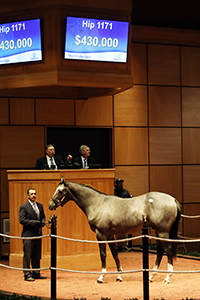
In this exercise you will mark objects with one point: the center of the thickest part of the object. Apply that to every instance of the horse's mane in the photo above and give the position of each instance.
(89, 186)
(92, 188)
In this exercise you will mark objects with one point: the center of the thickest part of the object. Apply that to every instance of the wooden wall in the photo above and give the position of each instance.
(156, 124)
(75, 225)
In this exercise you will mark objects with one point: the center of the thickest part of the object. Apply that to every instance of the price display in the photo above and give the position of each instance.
(97, 40)
(20, 42)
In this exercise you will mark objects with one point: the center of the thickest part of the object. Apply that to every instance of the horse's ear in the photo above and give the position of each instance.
(63, 181)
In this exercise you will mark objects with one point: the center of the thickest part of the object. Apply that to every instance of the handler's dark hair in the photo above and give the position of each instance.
(30, 189)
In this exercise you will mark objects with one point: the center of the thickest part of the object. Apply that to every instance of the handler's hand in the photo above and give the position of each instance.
(69, 157)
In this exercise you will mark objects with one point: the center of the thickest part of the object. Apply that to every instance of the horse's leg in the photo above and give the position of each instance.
(162, 247)
(169, 253)
(113, 249)
(102, 249)
(160, 252)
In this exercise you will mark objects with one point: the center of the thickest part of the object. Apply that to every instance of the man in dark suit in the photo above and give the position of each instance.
(50, 161)
(32, 217)
(84, 161)
(119, 189)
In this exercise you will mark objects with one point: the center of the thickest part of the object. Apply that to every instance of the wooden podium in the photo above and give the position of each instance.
(71, 221)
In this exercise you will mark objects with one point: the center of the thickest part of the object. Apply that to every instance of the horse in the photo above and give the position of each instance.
(109, 215)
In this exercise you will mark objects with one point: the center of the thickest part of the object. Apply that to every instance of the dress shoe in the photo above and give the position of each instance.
(39, 276)
(29, 278)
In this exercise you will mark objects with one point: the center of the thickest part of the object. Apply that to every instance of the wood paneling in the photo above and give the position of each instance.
(191, 107)
(54, 112)
(135, 179)
(164, 106)
(139, 63)
(131, 146)
(20, 146)
(71, 221)
(191, 145)
(191, 186)
(170, 36)
(5, 247)
(163, 65)
(190, 66)
(191, 226)
(124, 6)
(167, 179)
(130, 107)
(4, 111)
(4, 196)
(165, 145)
(22, 111)
(95, 111)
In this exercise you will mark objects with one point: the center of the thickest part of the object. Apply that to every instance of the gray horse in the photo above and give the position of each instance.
(109, 215)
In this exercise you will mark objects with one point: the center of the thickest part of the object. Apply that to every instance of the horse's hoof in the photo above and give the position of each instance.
(166, 281)
(119, 280)
(150, 280)
(99, 281)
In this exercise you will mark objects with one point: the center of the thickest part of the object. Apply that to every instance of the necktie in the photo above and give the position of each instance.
(36, 209)
(85, 163)
(52, 164)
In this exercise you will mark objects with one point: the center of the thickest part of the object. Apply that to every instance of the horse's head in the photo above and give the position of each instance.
(60, 196)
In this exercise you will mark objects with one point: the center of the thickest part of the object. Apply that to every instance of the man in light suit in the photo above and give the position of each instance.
(50, 161)
(32, 217)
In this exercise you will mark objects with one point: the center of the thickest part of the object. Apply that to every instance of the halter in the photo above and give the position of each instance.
(58, 202)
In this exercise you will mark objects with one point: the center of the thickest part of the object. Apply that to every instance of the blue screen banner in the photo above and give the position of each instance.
(20, 42)
(97, 40)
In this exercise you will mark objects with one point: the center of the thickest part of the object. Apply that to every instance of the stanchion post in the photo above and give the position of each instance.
(53, 256)
(145, 260)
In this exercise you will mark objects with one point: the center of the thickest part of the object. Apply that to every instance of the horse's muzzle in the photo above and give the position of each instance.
(51, 208)
(52, 204)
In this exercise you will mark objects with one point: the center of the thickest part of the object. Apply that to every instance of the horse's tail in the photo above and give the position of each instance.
(173, 234)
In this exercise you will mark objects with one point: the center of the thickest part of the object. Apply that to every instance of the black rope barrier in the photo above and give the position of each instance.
(145, 242)
(53, 223)
(145, 251)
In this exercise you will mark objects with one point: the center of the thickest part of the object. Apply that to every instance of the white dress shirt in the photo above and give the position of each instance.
(51, 161)
(35, 207)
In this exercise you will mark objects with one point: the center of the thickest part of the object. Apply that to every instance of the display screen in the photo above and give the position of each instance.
(97, 40)
(20, 42)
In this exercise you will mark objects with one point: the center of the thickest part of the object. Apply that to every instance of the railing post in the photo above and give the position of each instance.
(145, 260)
(53, 256)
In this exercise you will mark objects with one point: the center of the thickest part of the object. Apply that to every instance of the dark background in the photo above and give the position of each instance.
(68, 140)
(183, 14)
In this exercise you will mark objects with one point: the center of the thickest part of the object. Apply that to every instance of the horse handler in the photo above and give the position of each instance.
(32, 217)
(121, 192)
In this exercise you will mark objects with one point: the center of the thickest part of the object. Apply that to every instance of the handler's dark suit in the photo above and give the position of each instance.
(77, 162)
(32, 226)
(42, 164)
